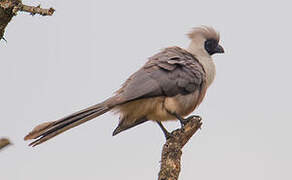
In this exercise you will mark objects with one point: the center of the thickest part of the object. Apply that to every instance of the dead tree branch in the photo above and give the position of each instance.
(4, 142)
(9, 8)
(171, 153)
(34, 10)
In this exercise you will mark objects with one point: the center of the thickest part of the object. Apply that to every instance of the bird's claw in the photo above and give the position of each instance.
(168, 135)
(183, 122)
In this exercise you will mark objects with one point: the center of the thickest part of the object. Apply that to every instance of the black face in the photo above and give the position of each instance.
(212, 47)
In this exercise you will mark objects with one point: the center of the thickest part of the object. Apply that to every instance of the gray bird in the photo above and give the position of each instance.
(169, 86)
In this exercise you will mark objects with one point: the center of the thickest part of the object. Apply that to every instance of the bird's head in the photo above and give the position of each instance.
(205, 40)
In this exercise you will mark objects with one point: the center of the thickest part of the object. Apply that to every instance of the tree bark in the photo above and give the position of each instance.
(9, 8)
(172, 150)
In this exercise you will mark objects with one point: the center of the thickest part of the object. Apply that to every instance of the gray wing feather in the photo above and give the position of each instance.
(168, 73)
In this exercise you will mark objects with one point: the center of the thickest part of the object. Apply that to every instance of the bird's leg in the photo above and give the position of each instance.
(181, 119)
(184, 121)
(165, 132)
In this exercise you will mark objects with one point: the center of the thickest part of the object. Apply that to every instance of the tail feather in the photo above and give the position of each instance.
(49, 130)
(44, 127)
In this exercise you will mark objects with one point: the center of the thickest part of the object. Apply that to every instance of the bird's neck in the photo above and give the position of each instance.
(205, 59)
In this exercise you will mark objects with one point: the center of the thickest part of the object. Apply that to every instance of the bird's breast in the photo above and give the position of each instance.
(209, 68)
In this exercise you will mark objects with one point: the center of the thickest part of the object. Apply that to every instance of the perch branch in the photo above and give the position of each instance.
(9, 8)
(4, 142)
(34, 10)
(172, 150)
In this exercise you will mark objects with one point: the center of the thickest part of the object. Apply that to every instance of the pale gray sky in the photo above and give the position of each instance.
(53, 66)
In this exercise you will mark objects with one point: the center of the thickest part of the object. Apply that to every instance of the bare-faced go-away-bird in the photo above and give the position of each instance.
(169, 86)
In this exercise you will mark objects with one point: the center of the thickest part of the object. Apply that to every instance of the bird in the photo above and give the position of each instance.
(169, 86)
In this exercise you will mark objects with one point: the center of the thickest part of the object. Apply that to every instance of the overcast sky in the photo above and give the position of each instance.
(53, 66)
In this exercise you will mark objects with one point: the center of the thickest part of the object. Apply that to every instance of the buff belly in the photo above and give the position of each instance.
(158, 108)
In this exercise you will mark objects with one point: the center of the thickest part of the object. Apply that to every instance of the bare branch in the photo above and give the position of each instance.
(171, 152)
(9, 8)
(34, 10)
(4, 142)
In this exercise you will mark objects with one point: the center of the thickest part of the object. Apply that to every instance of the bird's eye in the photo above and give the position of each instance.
(210, 45)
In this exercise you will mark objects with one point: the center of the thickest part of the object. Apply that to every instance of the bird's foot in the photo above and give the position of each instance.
(168, 135)
(184, 121)
(165, 132)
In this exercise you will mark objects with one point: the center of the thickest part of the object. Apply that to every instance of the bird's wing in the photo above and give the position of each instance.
(172, 71)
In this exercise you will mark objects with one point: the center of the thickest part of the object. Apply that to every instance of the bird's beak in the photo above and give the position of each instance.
(219, 49)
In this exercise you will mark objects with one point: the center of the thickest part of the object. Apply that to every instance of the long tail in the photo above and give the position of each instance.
(48, 130)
